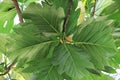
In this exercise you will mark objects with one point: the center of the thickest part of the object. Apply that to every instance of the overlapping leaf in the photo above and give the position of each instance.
(115, 60)
(113, 11)
(96, 39)
(71, 60)
(7, 14)
(44, 71)
(101, 5)
(36, 39)
(48, 19)
(93, 77)
(40, 32)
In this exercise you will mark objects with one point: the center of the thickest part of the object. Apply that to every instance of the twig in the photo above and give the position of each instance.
(67, 17)
(8, 69)
(18, 10)
(94, 8)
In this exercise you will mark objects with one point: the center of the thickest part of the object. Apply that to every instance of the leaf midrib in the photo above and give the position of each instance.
(46, 42)
(48, 22)
(92, 44)
(51, 67)
(70, 56)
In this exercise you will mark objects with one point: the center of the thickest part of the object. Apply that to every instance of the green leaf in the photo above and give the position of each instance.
(95, 38)
(9, 4)
(37, 38)
(43, 69)
(93, 71)
(7, 14)
(38, 34)
(72, 23)
(113, 11)
(64, 4)
(35, 50)
(71, 60)
(113, 8)
(115, 60)
(2, 67)
(5, 40)
(94, 77)
(109, 69)
(47, 18)
(29, 44)
(60, 3)
(102, 5)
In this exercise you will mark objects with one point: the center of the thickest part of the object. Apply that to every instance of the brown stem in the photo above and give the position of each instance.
(68, 15)
(8, 69)
(18, 10)
(94, 8)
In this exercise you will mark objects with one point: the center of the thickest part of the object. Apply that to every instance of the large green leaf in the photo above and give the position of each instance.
(71, 60)
(47, 18)
(29, 45)
(88, 4)
(44, 71)
(95, 38)
(60, 3)
(40, 32)
(36, 39)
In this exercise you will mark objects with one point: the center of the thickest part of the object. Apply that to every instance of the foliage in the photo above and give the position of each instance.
(44, 47)
(7, 14)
